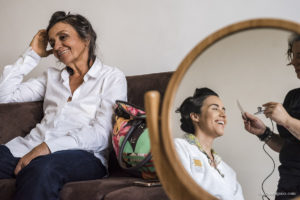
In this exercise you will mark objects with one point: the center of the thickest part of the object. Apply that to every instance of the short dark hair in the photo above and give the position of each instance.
(294, 37)
(193, 104)
(82, 26)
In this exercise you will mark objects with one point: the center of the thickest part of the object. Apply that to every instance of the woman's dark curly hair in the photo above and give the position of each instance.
(193, 105)
(295, 37)
(82, 26)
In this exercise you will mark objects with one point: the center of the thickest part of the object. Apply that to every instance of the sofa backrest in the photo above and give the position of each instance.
(138, 85)
(17, 119)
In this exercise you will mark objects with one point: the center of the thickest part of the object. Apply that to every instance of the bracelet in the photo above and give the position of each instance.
(266, 136)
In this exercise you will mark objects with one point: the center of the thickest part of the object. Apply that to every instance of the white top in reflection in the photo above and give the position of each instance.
(221, 183)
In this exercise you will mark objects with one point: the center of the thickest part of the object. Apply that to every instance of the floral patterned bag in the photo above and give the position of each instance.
(131, 140)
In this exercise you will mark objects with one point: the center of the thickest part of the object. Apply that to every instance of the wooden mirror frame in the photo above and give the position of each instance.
(177, 183)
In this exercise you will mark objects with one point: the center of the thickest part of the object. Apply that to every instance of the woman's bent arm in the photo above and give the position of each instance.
(11, 87)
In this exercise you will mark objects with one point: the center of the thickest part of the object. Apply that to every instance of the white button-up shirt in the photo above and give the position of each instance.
(196, 163)
(83, 123)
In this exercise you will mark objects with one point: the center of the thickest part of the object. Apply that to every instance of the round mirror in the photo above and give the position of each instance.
(246, 61)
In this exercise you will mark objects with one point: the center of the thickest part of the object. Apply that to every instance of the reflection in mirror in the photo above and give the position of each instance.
(203, 118)
(249, 66)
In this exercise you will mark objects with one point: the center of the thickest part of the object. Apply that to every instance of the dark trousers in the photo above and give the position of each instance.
(45, 176)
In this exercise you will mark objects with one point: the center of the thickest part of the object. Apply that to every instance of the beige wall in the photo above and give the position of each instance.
(140, 36)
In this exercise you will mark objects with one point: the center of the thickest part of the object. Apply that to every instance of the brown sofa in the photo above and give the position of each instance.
(19, 118)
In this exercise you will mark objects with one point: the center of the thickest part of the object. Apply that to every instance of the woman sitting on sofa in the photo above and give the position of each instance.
(71, 141)
(203, 119)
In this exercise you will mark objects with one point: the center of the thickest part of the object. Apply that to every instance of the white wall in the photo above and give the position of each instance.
(137, 36)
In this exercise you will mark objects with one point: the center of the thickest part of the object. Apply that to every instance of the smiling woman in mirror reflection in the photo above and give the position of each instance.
(203, 119)
(71, 141)
(287, 118)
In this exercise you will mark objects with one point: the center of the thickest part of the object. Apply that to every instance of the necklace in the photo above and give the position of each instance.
(191, 138)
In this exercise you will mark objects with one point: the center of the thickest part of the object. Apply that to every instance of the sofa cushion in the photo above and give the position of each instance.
(101, 188)
(7, 188)
(137, 193)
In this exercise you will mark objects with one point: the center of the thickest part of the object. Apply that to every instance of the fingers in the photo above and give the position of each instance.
(250, 116)
(268, 113)
(21, 164)
(39, 43)
(17, 169)
(247, 121)
(270, 107)
(247, 124)
(270, 104)
(42, 32)
(41, 35)
(41, 149)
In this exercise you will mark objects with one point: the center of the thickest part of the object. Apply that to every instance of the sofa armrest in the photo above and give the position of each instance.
(17, 119)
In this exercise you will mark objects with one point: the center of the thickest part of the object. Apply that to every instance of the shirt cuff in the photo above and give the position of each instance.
(27, 62)
(62, 143)
(30, 52)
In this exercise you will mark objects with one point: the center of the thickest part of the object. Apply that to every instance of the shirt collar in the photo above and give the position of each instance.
(64, 74)
(95, 69)
(93, 72)
(191, 138)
